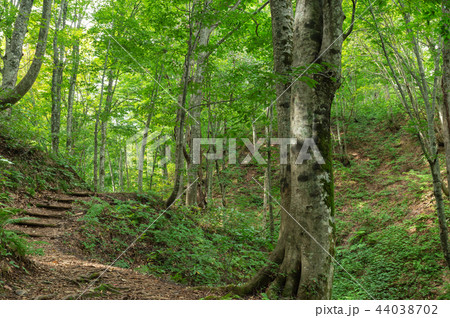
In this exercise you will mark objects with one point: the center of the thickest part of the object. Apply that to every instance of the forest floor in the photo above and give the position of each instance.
(62, 272)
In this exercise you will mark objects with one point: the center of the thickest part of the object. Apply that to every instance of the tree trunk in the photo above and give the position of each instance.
(121, 171)
(72, 86)
(446, 119)
(13, 47)
(193, 172)
(57, 76)
(104, 126)
(180, 121)
(145, 137)
(440, 209)
(155, 157)
(111, 172)
(306, 242)
(126, 167)
(209, 164)
(282, 35)
(268, 179)
(97, 119)
(10, 96)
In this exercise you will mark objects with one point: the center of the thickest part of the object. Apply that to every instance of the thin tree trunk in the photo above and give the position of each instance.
(126, 167)
(57, 77)
(72, 86)
(147, 127)
(268, 178)
(104, 127)
(180, 121)
(155, 157)
(97, 119)
(254, 136)
(120, 171)
(111, 172)
(209, 165)
(193, 171)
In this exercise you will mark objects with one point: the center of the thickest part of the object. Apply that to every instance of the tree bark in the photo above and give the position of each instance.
(268, 207)
(303, 255)
(282, 41)
(120, 170)
(145, 137)
(446, 116)
(111, 172)
(193, 172)
(97, 119)
(57, 76)
(180, 119)
(10, 96)
(104, 127)
(72, 86)
(13, 47)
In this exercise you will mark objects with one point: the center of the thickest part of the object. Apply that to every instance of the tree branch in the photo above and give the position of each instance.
(350, 30)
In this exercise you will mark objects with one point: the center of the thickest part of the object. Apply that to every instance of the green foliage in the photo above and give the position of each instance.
(394, 263)
(12, 245)
(189, 246)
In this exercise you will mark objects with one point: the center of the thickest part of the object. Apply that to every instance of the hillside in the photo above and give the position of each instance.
(41, 215)
(387, 234)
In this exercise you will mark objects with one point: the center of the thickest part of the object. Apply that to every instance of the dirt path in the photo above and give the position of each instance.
(63, 274)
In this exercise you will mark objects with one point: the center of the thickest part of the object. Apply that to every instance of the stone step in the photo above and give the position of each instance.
(53, 207)
(61, 200)
(37, 222)
(45, 214)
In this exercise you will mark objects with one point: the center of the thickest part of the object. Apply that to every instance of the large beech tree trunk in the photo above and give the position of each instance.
(11, 93)
(301, 265)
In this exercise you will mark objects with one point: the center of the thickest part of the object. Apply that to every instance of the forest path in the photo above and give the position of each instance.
(63, 273)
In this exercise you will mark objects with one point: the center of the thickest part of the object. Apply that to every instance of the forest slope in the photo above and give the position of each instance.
(387, 233)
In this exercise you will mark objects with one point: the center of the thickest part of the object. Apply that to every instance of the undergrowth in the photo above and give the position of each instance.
(390, 264)
(186, 245)
(387, 232)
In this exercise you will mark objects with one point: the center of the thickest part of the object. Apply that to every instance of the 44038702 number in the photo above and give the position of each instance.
(407, 309)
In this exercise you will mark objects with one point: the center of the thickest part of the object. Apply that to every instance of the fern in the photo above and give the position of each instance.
(11, 243)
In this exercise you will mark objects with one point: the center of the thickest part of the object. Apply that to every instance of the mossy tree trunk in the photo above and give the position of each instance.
(301, 265)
